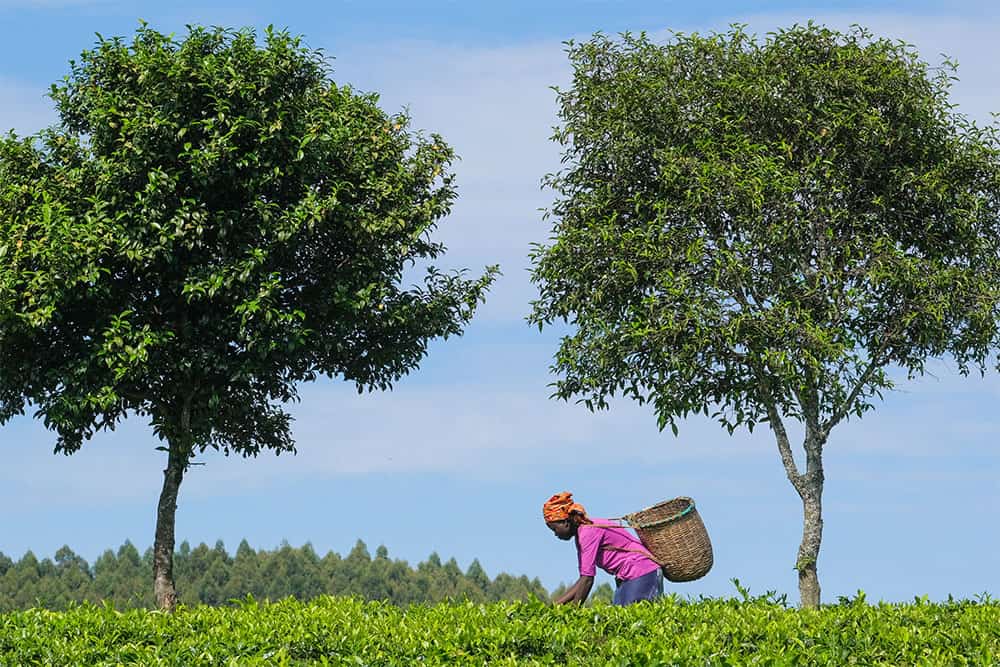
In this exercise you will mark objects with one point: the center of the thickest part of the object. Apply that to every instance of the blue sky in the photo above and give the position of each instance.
(460, 455)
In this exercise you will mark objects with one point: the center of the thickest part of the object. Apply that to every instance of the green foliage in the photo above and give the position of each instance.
(345, 631)
(210, 576)
(752, 228)
(759, 230)
(212, 221)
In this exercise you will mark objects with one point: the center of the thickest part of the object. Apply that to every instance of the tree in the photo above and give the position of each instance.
(24, 578)
(477, 576)
(212, 222)
(210, 582)
(766, 232)
(128, 577)
(74, 574)
(243, 576)
(301, 571)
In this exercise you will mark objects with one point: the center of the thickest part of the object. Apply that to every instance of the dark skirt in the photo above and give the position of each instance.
(647, 587)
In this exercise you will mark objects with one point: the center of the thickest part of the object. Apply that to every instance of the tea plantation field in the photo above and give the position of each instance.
(673, 631)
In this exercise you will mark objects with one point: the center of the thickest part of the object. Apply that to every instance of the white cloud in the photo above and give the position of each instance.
(496, 109)
(478, 430)
(473, 430)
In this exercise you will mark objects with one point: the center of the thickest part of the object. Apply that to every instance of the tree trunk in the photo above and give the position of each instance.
(809, 486)
(166, 511)
(812, 536)
(163, 545)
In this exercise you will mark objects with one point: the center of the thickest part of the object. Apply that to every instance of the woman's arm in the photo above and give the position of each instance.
(578, 592)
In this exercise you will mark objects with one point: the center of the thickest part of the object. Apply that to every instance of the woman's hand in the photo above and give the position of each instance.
(578, 592)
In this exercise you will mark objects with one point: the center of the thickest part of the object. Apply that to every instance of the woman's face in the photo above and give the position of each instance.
(564, 529)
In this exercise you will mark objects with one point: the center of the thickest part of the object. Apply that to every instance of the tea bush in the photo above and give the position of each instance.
(350, 631)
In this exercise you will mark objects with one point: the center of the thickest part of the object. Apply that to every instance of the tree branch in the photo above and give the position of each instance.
(845, 407)
(784, 446)
(777, 425)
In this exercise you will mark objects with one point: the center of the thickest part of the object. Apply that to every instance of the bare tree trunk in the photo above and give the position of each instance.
(166, 511)
(809, 486)
(812, 536)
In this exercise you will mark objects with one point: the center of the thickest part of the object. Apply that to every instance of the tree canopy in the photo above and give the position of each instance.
(212, 221)
(763, 230)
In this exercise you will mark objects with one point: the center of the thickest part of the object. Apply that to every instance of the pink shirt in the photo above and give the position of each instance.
(592, 542)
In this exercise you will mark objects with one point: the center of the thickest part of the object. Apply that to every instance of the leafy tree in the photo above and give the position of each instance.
(477, 575)
(212, 583)
(329, 569)
(211, 576)
(505, 586)
(107, 581)
(49, 589)
(67, 560)
(764, 231)
(73, 573)
(401, 582)
(301, 567)
(128, 576)
(23, 579)
(243, 573)
(212, 222)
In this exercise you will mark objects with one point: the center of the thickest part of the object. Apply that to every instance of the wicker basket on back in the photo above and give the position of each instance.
(676, 537)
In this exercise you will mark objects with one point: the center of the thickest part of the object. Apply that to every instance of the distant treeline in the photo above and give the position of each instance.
(209, 575)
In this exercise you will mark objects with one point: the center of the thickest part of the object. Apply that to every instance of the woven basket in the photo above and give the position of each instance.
(676, 537)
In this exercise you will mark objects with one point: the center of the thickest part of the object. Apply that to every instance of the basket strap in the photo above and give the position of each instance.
(635, 551)
(644, 552)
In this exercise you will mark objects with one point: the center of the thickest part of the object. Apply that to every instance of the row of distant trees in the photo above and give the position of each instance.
(210, 575)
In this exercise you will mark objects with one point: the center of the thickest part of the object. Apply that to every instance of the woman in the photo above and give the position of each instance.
(602, 544)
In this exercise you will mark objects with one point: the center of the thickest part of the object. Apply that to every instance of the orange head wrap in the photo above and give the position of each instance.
(560, 506)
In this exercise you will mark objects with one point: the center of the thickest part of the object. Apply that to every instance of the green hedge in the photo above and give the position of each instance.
(347, 631)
